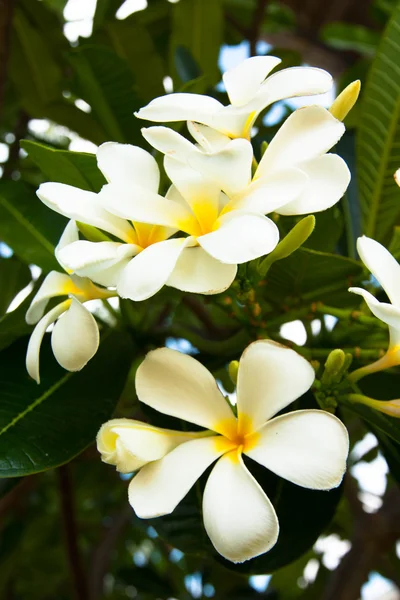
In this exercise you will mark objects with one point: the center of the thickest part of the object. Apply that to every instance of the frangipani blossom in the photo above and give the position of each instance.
(145, 258)
(250, 91)
(386, 271)
(295, 175)
(75, 336)
(306, 447)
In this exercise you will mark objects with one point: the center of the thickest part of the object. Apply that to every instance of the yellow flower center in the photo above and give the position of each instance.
(237, 436)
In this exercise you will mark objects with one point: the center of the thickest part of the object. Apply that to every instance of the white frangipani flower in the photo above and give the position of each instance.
(147, 257)
(306, 447)
(386, 271)
(250, 91)
(295, 175)
(75, 336)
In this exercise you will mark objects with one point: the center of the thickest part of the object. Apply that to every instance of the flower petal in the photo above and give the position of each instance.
(269, 193)
(307, 447)
(138, 204)
(306, 134)
(130, 444)
(168, 141)
(75, 337)
(178, 385)
(84, 206)
(35, 341)
(103, 262)
(243, 81)
(159, 486)
(208, 138)
(199, 273)
(180, 107)
(238, 517)
(150, 270)
(288, 83)
(229, 168)
(270, 377)
(69, 235)
(383, 266)
(128, 165)
(241, 238)
(328, 178)
(386, 312)
(55, 284)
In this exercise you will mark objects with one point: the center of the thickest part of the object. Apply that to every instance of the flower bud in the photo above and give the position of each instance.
(334, 366)
(345, 101)
(92, 234)
(233, 370)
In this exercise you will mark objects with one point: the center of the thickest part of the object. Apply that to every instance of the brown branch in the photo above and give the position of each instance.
(255, 29)
(6, 16)
(71, 534)
(374, 536)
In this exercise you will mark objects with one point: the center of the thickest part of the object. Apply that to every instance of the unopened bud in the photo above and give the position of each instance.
(334, 366)
(345, 101)
(233, 369)
(92, 233)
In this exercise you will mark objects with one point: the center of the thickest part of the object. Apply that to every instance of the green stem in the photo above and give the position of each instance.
(345, 314)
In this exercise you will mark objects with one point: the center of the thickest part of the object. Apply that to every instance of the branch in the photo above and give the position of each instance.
(6, 16)
(374, 535)
(71, 533)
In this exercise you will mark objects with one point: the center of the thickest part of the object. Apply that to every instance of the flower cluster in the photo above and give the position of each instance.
(192, 234)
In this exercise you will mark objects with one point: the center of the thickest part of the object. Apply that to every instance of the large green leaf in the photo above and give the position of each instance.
(378, 143)
(27, 226)
(14, 276)
(105, 81)
(312, 276)
(197, 25)
(45, 426)
(74, 168)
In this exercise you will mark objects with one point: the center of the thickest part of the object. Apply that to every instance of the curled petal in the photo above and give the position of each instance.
(384, 311)
(180, 107)
(243, 81)
(383, 266)
(69, 235)
(55, 284)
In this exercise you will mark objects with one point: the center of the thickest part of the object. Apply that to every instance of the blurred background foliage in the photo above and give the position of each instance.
(71, 76)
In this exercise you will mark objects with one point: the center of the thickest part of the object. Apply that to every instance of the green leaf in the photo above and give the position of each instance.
(13, 325)
(106, 83)
(14, 276)
(27, 226)
(74, 168)
(44, 426)
(353, 38)
(379, 421)
(312, 276)
(378, 142)
(197, 26)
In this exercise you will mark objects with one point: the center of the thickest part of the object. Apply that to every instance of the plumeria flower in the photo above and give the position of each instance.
(386, 271)
(75, 335)
(250, 91)
(146, 256)
(295, 175)
(306, 447)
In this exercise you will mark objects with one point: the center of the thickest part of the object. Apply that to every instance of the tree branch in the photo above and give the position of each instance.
(71, 533)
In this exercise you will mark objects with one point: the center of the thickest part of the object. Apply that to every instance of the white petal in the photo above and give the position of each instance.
(208, 138)
(55, 284)
(138, 204)
(75, 337)
(69, 235)
(199, 273)
(270, 377)
(169, 142)
(238, 517)
(103, 262)
(35, 341)
(288, 83)
(241, 238)
(328, 178)
(84, 206)
(306, 134)
(383, 266)
(307, 447)
(387, 313)
(130, 444)
(269, 193)
(159, 486)
(150, 270)
(230, 168)
(243, 81)
(178, 385)
(128, 165)
(201, 194)
(180, 107)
